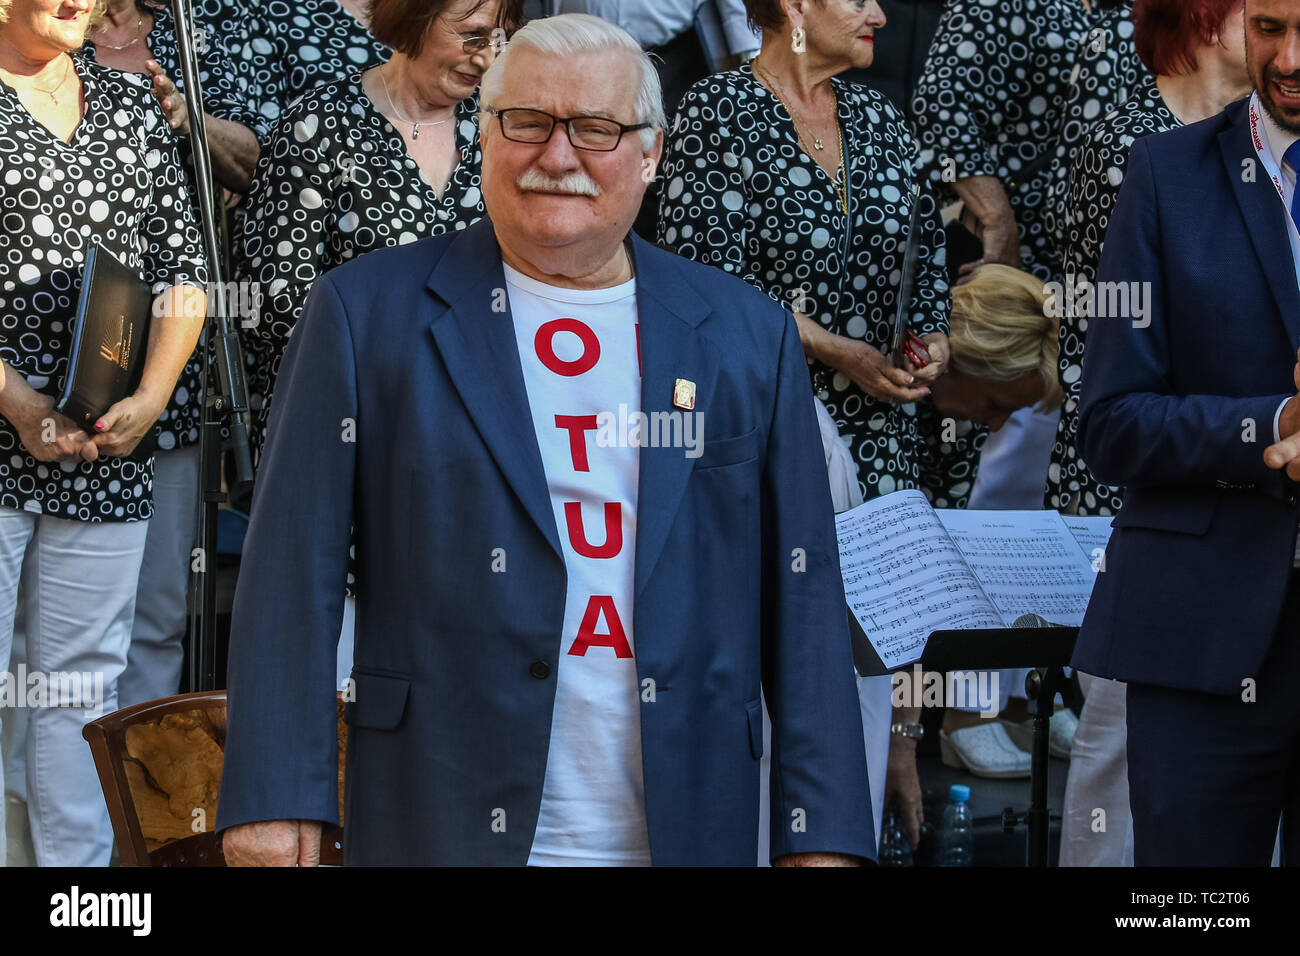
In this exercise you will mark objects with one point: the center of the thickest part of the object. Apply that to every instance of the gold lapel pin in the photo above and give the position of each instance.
(684, 394)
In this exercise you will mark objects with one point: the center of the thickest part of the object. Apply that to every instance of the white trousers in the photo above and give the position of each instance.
(1098, 780)
(79, 582)
(153, 665)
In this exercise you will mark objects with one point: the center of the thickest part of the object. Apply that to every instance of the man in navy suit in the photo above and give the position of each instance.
(1198, 604)
(592, 518)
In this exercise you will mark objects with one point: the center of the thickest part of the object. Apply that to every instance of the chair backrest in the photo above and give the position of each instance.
(159, 765)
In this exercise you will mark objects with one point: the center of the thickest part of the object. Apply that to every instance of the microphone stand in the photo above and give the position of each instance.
(226, 399)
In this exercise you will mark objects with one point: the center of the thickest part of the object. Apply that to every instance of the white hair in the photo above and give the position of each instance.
(574, 33)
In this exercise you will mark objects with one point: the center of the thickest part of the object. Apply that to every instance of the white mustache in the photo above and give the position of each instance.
(577, 184)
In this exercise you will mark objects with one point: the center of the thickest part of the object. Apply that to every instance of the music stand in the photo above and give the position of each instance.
(1045, 650)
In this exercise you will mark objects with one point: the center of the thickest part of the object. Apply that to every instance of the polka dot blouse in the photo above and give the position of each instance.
(119, 181)
(1094, 183)
(990, 99)
(180, 422)
(336, 181)
(292, 46)
(1107, 71)
(739, 193)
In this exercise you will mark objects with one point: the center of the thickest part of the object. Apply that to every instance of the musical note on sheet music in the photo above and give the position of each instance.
(904, 578)
(1027, 561)
(910, 570)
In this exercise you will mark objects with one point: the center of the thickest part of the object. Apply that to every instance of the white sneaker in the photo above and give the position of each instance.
(1060, 738)
(985, 750)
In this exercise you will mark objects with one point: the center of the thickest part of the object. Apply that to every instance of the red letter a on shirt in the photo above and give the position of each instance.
(587, 636)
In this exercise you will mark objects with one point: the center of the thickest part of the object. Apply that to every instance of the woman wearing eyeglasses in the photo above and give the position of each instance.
(803, 185)
(376, 159)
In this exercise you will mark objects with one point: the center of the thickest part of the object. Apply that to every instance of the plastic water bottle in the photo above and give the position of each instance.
(955, 844)
(894, 848)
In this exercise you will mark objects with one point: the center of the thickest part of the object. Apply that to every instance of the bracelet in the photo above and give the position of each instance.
(911, 731)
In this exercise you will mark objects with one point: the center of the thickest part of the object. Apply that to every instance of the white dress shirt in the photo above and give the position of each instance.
(1276, 142)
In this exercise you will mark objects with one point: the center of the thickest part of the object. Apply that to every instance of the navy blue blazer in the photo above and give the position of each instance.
(1180, 412)
(401, 407)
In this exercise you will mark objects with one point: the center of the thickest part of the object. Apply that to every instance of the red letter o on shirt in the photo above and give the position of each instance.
(579, 366)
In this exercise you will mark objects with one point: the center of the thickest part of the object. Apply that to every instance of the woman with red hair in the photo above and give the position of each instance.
(1196, 49)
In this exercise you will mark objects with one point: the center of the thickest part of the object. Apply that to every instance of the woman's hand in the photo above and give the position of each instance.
(120, 428)
(47, 435)
(173, 104)
(875, 374)
(903, 783)
(936, 343)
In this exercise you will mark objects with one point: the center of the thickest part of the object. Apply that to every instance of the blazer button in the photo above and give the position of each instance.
(540, 669)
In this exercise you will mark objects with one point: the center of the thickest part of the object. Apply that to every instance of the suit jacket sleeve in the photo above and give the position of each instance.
(820, 797)
(1134, 429)
(282, 735)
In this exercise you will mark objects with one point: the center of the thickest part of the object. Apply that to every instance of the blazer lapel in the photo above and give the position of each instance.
(476, 339)
(1265, 219)
(671, 348)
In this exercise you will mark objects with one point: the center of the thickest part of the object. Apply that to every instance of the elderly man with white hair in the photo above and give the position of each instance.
(589, 493)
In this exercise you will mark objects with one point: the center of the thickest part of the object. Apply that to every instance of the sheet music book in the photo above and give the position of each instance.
(910, 570)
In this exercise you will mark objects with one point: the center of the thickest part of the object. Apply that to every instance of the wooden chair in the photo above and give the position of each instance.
(159, 764)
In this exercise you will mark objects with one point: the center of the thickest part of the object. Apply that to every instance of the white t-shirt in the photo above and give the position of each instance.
(580, 359)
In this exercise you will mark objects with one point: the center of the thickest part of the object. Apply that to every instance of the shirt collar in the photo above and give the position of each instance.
(1276, 138)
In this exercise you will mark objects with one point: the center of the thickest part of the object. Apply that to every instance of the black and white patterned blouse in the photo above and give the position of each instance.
(948, 467)
(739, 193)
(179, 425)
(292, 46)
(1094, 183)
(119, 181)
(1107, 71)
(989, 102)
(336, 181)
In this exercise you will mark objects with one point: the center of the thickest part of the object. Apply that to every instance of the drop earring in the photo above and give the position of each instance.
(797, 41)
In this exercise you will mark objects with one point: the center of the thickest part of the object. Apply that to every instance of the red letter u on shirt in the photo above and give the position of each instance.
(578, 534)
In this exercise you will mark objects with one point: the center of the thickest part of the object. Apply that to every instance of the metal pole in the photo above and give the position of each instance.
(226, 398)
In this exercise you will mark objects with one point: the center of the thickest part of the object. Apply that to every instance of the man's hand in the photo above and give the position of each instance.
(1286, 453)
(816, 859)
(120, 429)
(273, 843)
(173, 104)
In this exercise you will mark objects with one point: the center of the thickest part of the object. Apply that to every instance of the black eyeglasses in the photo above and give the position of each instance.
(585, 132)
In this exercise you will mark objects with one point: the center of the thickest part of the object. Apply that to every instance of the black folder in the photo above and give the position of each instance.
(108, 346)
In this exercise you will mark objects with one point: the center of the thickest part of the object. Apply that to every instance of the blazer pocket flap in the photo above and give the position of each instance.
(1185, 516)
(379, 701)
(728, 451)
(754, 716)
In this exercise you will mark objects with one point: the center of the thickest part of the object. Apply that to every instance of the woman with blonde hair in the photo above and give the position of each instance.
(1003, 336)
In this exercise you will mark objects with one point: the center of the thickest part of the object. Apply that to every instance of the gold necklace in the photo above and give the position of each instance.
(51, 93)
(817, 143)
(139, 25)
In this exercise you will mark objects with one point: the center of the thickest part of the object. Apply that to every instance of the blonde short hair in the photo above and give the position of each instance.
(97, 13)
(1003, 327)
